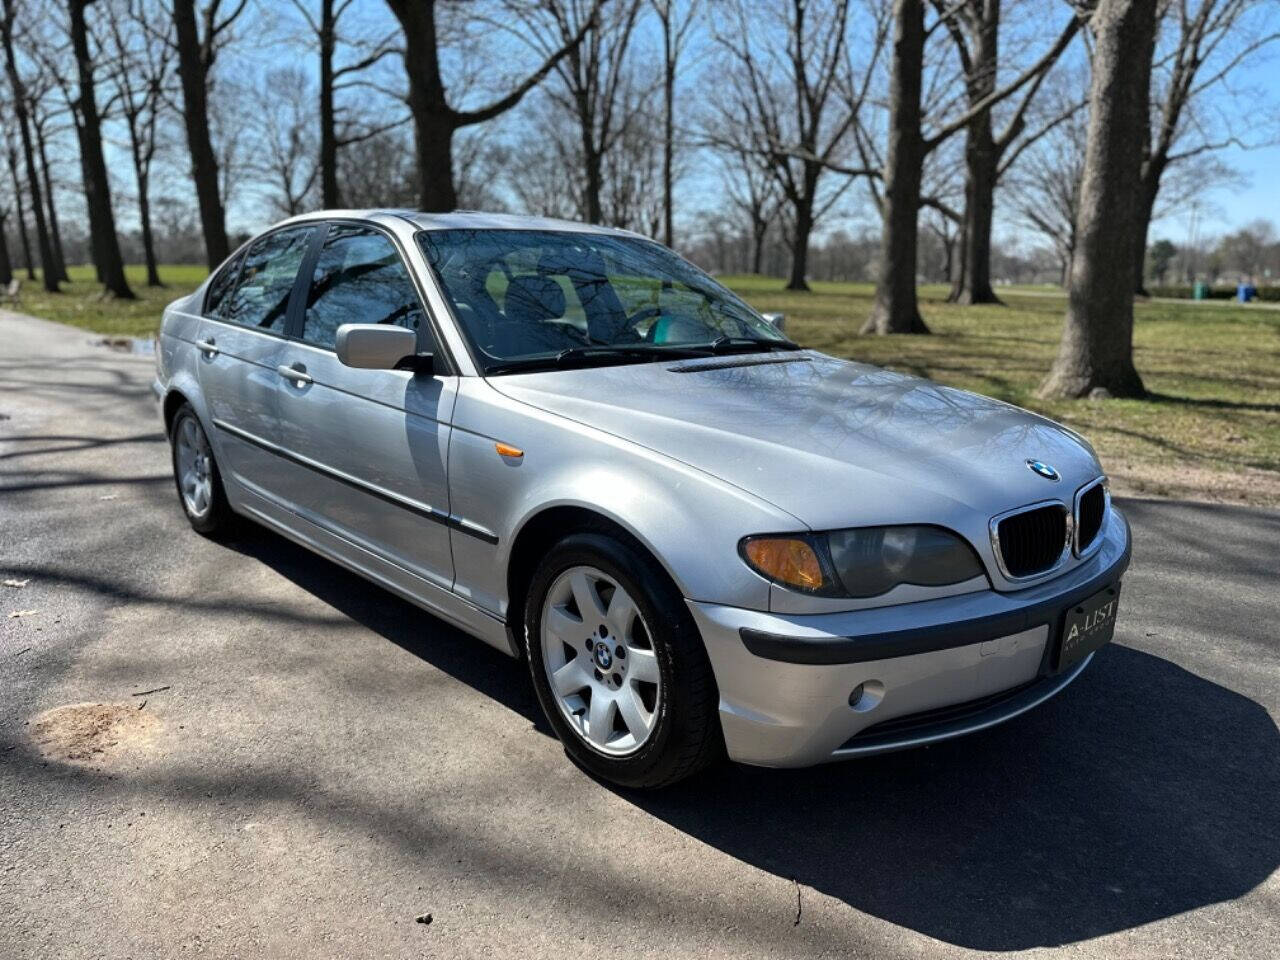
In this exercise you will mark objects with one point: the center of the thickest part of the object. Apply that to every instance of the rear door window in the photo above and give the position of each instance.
(261, 297)
(359, 277)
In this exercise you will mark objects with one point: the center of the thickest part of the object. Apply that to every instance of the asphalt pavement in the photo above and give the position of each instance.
(323, 767)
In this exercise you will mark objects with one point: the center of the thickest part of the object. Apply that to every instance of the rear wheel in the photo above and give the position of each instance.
(195, 471)
(618, 664)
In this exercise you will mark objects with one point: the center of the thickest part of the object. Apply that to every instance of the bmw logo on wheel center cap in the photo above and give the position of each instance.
(1043, 469)
(604, 659)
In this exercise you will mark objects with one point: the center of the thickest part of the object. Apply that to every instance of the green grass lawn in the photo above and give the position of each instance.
(81, 303)
(1210, 428)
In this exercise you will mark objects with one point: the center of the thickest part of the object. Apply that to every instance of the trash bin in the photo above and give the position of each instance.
(1200, 291)
(1246, 291)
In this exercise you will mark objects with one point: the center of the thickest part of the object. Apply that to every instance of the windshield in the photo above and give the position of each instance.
(527, 298)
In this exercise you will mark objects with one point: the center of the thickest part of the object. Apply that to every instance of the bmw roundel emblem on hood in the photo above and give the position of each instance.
(1043, 469)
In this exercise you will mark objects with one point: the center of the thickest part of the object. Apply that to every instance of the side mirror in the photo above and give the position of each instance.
(779, 320)
(374, 346)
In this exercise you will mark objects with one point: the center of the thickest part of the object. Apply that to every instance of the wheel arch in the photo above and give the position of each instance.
(539, 533)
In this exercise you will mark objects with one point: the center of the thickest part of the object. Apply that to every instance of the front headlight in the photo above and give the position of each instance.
(864, 561)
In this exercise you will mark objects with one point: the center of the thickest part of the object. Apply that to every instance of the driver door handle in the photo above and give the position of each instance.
(297, 373)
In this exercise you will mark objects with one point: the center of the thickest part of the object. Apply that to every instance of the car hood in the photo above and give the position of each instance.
(832, 442)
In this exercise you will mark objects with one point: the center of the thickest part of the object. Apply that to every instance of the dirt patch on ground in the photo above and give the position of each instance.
(91, 733)
(1183, 481)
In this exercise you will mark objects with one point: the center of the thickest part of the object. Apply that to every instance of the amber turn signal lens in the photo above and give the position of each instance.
(786, 560)
(506, 450)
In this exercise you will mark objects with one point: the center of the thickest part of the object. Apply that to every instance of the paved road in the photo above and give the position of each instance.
(328, 763)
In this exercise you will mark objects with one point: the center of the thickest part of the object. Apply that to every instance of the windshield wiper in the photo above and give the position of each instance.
(607, 352)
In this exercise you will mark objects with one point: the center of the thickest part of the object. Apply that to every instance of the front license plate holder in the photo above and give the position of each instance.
(1087, 626)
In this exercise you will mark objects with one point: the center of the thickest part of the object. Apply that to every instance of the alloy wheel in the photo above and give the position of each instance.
(600, 661)
(195, 468)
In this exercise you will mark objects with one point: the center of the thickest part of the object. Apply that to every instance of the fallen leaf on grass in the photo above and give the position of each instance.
(22, 613)
(17, 584)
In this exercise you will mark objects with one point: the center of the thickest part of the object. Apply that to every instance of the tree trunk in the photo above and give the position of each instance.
(668, 130)
(95, 238)
(19, 105)
(97, 187)
(6, 265)
(895, 309)
(974, 282)
(328, 133)
(981, 161)
(434, 124)
(148, 238)
(1096, 353)
(21, 214)
(204, 162)
(591, 163)
(55, 235)
(758, 233)
(800, 245)
(433, 137)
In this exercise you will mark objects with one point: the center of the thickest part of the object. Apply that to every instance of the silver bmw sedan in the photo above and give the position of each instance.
(579, 448)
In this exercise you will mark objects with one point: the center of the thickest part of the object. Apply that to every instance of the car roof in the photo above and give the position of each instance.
(462, 220)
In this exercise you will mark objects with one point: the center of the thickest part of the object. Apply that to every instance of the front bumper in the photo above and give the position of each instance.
(928, 671)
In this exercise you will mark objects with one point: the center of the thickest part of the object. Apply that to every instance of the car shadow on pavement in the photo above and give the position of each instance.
(409, 627)
(1141, 792)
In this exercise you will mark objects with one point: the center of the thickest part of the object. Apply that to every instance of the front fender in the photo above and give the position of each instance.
(689, 520)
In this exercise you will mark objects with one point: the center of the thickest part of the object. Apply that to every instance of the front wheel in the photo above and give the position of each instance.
(618, 664)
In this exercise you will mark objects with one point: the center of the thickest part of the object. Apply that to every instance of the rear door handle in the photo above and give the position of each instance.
(208, 346)
(297, 373)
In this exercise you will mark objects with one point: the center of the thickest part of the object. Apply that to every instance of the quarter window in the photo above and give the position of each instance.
(359, 278)
(220, 286)
(261, 297)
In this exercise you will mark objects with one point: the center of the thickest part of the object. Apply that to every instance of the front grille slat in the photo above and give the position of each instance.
(1090, 514)
(1031, 542)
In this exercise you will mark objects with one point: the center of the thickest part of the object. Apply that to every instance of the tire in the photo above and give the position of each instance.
(652, 636)
(204, 501)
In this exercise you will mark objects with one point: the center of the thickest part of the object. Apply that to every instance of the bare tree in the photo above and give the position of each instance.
(141, 67)
(198, 44)
(20, 211)
(435, 119)
(677, 27)
(753, 194)
(633, 168)
(97, 187)
(379, 171)
(44, 127)
(785, 104)
(592, 77)
(1045, 188)
(287, 158)
(21, 112)
(974, 27)
(6, 265)
(1203, 43)
(896, 309)
(325, 26)
(1096, 353)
